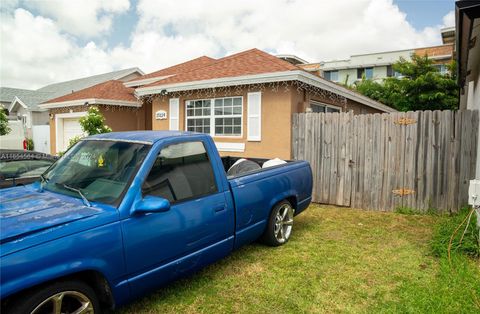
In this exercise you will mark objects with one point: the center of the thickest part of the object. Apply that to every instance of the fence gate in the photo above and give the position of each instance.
(420, 160)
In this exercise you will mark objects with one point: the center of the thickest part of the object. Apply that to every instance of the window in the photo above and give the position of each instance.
(180, 172)
(326, 75)
(367, 72)
(360, 73)
(319, 107)
(198, 116)
(331, 75)
(224, 119)
(23, 168)
(441, 68)
(334, 76)
(389, 71)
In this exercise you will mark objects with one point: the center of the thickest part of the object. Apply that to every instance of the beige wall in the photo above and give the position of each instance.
(276, 123)
(350, 105)
(119, 119)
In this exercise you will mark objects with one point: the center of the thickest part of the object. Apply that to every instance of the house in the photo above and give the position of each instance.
(115, 100)
(117, 103)
(24, 103)
(378, 65)
(245, 101)
(24, 115)
(467, 18)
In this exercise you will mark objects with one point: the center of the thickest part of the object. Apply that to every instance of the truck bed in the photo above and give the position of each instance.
(256, 192)
(228, 161)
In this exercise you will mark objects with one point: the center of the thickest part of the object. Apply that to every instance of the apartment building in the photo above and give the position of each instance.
(379, 65)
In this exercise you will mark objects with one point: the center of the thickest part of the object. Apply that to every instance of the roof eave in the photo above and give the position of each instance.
(90, 101)
(296, 75)
(15, 101)
(133, 70)
(146, 81)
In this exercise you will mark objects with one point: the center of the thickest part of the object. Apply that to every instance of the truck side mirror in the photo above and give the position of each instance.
(152, 204)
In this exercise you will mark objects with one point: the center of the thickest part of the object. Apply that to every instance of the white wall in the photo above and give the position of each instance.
(14, 139)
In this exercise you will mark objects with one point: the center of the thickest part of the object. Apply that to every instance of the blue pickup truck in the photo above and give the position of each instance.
(120, 214)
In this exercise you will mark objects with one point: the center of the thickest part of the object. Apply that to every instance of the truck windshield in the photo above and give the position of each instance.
(99, 170)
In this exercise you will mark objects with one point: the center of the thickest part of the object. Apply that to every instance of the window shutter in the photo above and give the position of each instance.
(174, 114)
(254, 116)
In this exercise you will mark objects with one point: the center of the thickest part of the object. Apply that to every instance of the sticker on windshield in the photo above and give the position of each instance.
(100, 161)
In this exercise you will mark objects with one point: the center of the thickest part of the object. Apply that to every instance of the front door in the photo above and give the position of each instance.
(196, 230)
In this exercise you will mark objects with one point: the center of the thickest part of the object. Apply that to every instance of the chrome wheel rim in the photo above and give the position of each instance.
(72, 302)
(283, 223)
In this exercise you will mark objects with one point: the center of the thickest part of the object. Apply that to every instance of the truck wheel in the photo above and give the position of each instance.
(280, 224)
(60, 297)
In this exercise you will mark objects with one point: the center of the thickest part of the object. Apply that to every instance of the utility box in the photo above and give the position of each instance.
(474, 193)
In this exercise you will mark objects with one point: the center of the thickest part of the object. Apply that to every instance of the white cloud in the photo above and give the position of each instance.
(37, 50)
(449, 19)
(315, 30)
(85, 18)
(34, 52)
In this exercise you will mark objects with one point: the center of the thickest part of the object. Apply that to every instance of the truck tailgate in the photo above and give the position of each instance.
(256, 193)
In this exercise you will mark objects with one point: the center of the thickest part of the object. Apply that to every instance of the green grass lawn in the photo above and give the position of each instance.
(337, 260)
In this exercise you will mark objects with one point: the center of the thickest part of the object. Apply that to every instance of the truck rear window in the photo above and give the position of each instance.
(180, 172)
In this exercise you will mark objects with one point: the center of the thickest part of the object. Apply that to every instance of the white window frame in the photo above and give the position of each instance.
(318, 103)
(212, 116)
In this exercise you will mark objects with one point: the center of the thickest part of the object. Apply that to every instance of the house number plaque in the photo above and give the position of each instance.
(161, 115)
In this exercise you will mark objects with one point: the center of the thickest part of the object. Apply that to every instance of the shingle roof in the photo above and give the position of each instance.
(248, 62)
(111, 90)
(7, 94)
(29, 98)
(32, 98)
(178, 68)
(63, 88)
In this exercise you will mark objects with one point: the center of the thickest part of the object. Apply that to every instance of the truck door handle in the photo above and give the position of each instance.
(219, 208)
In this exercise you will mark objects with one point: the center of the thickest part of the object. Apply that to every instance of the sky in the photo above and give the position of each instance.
(47, 41)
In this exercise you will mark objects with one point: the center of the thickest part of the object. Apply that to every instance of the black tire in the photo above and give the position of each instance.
(271, 234)
(74, 292)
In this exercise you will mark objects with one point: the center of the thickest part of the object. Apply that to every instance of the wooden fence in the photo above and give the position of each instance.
(422, 160)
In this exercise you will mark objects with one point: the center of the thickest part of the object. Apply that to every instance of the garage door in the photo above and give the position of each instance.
(71, 128)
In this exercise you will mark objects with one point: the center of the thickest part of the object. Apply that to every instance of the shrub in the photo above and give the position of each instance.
(94, 122)
(4, 128)
(74, 140)
(30, 145)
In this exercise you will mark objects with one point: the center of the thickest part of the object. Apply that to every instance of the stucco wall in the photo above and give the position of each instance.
(350, 105)
(119, 119)
(276, 123)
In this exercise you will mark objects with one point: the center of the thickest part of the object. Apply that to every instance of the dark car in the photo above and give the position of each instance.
(19, 167)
